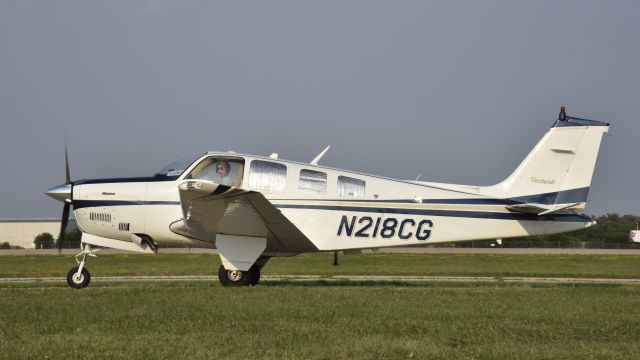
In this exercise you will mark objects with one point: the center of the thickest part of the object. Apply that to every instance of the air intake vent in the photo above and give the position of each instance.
(123, 226)
(97, 216)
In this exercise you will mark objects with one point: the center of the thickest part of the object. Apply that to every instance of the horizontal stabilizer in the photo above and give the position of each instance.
(540, 209)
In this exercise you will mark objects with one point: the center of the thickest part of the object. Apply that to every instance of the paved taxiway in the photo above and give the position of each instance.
(509, 279)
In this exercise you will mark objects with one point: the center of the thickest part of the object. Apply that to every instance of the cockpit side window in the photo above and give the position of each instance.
(267, 176)
(221, 170)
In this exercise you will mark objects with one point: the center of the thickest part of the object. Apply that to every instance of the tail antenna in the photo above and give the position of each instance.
(563, 115)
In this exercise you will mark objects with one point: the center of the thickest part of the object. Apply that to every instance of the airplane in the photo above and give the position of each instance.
(252, 208)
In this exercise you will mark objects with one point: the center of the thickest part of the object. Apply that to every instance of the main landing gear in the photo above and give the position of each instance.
(79, 277)
(250, 277)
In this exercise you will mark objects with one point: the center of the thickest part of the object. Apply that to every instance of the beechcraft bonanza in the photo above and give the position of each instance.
(252, 208)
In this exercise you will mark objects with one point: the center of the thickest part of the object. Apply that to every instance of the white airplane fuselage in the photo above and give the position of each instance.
(390, 213)
(252, 208)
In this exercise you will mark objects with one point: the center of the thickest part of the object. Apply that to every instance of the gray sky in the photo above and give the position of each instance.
(458, 91)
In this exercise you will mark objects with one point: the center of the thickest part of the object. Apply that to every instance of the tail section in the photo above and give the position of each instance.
(556, 175)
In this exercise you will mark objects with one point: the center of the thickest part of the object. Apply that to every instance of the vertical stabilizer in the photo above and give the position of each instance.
(558, 171)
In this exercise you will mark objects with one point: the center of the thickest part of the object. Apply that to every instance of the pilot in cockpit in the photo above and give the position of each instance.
(222, 170)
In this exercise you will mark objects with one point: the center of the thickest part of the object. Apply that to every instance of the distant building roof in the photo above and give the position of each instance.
(31, 220)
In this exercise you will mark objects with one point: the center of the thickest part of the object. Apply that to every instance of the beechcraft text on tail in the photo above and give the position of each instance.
(252, 208)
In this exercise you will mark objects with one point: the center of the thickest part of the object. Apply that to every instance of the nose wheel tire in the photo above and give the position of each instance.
(237, 277)
(78, 281)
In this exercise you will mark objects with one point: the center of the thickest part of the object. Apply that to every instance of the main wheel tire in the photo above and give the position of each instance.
(78, 282)
(254, 275)
(233, 277)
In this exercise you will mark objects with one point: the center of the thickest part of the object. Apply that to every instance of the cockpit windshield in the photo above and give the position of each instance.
(176, 168)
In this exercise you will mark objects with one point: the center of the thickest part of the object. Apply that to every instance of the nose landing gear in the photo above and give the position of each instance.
(79, 277)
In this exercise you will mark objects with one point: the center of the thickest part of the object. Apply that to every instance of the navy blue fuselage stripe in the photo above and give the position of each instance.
(79, 204)
(562, 197)
(446, 213)
(424, 201)
(124, 180)
(469, 201)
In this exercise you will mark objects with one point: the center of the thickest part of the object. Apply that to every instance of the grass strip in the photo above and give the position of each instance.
(292, 320)
(493, 265)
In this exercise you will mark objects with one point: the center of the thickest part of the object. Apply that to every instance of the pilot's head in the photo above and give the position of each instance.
(222, 168)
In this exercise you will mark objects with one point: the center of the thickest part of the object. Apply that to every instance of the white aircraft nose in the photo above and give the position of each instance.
(60, 192)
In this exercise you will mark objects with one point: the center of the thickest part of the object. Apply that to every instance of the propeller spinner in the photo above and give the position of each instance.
(63, 193)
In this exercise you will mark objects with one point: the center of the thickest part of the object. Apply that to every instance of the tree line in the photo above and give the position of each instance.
(610, 232)
(70, 240)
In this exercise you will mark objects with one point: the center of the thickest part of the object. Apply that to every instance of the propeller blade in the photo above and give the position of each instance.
(63, 224)
(66, 165)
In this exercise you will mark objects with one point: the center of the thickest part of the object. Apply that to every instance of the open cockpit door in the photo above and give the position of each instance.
(209, 209)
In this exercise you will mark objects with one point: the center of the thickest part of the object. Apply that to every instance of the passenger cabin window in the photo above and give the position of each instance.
(312, 181)
(221, 170)
(350, 187)
(267, 176)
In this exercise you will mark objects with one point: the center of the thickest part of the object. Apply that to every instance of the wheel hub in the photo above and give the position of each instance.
(78, 279)
(234, 275)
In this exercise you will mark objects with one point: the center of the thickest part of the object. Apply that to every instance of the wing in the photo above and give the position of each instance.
(209, 209)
